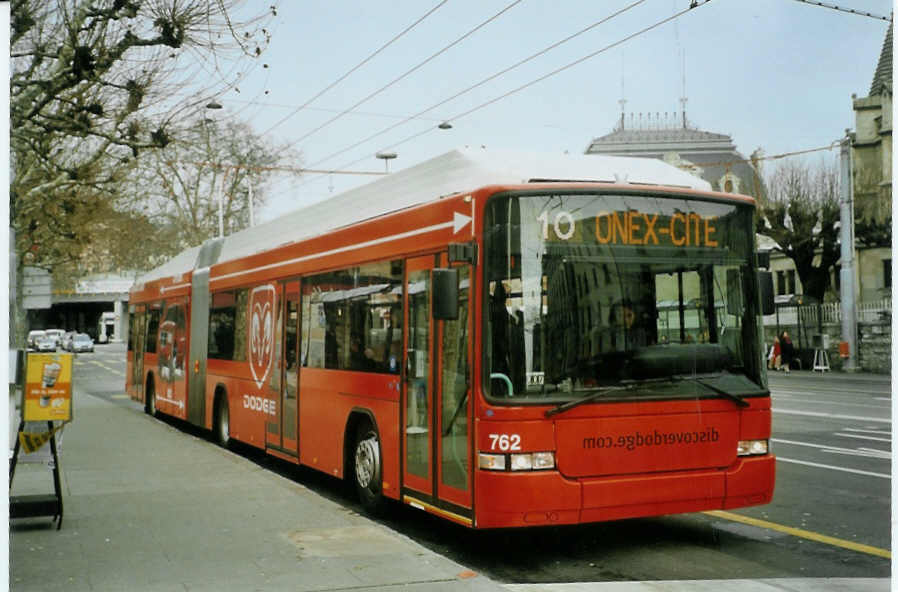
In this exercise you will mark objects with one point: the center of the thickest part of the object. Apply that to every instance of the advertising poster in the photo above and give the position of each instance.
(48, 388)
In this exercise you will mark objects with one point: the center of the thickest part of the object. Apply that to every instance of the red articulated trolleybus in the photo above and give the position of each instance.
(501, 339)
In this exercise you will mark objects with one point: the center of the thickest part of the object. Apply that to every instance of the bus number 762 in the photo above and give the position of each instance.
(505, 442)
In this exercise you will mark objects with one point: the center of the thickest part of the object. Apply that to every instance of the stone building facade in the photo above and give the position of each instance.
(871, 149)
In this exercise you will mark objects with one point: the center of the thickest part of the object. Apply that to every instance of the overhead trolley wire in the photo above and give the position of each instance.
(407, 73)
(302, 170)
(357, 66)
(373, 114)
(733, 161)
(693, 5)
(577, 61)
(262, 168)
(484, 81)
(846, 9)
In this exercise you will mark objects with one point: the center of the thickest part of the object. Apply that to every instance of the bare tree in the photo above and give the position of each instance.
(96, 83)
(210, 165)
(801, 214)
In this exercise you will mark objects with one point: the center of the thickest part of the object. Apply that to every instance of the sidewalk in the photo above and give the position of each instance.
(150, 508)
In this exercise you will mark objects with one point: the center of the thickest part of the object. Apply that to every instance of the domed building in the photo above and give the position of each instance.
(671, 138)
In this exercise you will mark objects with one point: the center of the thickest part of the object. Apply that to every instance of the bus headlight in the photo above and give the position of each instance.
(543, 460)
(492, 462)
(529, 461)
(752, 447)
(532, 461)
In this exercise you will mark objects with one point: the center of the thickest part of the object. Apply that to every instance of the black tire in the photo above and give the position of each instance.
(367, 468)
(149, 400)
(222, 422)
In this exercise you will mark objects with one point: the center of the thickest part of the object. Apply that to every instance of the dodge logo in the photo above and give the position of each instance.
(261, 335)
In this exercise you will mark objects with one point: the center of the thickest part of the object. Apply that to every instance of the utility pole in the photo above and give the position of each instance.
(221, 206)
(846, 275)
(252, 221)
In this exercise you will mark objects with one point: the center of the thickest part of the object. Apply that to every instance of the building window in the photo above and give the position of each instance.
(729, 183)
(887, 273)
(785, 282)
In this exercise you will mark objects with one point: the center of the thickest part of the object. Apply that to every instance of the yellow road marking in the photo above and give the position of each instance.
(119, 397)
(805, 534)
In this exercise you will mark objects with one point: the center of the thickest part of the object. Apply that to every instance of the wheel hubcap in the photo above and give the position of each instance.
(367, 461)
(223, 425)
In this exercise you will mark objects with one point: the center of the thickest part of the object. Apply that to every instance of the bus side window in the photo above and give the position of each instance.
(152, 329)
(352, 318)
(222, 326)
(240, 328)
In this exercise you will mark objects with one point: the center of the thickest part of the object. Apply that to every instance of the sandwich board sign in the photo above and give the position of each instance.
(48, 388)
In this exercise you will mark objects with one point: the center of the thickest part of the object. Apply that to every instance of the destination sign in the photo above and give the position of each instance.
(638, 228)
(633, 227)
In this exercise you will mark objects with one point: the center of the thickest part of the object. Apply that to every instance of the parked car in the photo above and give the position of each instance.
(82, 343)
(56, 335)
(66, 343)
(34, 337)
(45, 343)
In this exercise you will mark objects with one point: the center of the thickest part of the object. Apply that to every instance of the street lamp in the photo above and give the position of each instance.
(213, 104)
(386, 157)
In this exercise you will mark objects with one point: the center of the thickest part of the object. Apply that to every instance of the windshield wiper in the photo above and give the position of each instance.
(586, 399)
(605, 390)
(726, 394)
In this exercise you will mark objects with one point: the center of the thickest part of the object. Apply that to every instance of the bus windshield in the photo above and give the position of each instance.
(628, 294)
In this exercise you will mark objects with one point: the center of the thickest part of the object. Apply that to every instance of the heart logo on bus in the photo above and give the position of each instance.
(261, 332)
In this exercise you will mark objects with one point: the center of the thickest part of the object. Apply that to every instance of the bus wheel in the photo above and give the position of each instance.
(222, 422)
(149, 405)
(367, 469)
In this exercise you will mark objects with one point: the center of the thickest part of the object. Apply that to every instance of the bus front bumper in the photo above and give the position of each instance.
(506, 499)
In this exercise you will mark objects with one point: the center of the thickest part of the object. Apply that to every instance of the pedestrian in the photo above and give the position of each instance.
(788, 351)
(773, 358)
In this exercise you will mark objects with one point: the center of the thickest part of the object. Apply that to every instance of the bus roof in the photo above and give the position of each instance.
(459, 171)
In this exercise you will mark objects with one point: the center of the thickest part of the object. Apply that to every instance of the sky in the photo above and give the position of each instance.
(773, 74)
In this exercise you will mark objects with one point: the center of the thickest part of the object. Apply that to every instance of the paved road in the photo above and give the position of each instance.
(832, 438)
(830, 517)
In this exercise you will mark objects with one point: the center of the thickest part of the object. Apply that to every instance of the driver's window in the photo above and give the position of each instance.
(506, 338)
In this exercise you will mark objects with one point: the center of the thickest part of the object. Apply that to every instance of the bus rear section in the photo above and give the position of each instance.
(622, 367)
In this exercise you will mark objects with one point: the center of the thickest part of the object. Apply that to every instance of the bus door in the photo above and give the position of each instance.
(171, 389)
(136, 342)
(436, 404)
(281, 433)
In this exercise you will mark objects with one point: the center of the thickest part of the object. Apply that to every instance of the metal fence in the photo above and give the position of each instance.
(805, 321)
(814, 316)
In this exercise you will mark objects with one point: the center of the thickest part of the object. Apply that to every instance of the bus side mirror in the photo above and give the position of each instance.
(766, 280)
(445, 294)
